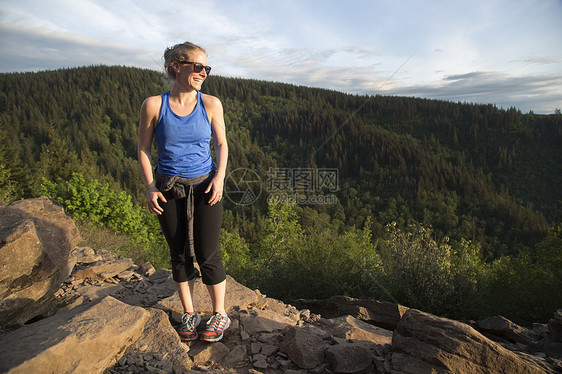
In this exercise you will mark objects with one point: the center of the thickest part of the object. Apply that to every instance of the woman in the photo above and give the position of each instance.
(186, 189)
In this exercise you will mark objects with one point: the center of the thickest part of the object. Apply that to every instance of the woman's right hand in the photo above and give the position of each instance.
(152, 196)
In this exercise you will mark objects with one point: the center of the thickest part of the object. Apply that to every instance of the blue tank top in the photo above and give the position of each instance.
(183, 141)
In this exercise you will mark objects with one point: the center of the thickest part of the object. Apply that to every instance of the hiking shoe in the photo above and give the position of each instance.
(215, 328)
(188, 329)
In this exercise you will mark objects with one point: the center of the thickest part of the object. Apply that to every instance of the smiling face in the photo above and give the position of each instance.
(185, 73)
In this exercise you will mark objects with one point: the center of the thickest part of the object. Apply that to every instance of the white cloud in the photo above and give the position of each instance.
(497, 52)
(539, 93)
(542, 60)
(31, 48)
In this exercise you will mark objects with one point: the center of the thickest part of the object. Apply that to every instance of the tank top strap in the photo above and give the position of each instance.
(165, 105)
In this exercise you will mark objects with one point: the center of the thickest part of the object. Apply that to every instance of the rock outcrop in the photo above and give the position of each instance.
(108, 315)
(423, 342)
(501, 327)
(36, 237)
(378, 313)
(86, 339)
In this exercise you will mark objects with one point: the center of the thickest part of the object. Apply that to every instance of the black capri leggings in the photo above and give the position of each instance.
(207, 221)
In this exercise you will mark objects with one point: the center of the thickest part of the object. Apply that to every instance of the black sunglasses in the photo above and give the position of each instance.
(197, 67)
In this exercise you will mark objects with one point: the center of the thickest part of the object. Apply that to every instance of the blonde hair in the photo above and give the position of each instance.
(178, 52)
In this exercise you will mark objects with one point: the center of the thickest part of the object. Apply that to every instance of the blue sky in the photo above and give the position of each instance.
(507, 53)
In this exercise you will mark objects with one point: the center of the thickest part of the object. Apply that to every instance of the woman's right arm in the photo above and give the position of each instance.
(149, 112)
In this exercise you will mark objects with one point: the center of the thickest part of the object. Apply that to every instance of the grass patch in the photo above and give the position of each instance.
(125, 245)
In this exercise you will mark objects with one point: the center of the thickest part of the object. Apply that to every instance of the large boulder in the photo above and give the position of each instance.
(161, 341)
(379, 313)
(256, 321)
(87, 339)
(350, 328)
(350, 358)
(36, 237)
(502, 327)
(304, 348)
(424, 343)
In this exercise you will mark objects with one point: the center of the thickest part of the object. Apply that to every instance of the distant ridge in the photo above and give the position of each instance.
(470, 171)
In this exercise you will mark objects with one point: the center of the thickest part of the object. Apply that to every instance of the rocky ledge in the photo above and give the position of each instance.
(77, 309)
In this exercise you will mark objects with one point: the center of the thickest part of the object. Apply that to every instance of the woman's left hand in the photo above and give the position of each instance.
(216, 188)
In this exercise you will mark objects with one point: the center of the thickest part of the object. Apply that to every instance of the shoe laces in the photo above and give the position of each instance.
(215, 321)
(189, 319)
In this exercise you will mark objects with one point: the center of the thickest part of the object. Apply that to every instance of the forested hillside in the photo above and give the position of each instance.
(468, 173)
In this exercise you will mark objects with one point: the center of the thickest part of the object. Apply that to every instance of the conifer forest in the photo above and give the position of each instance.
(453, 208)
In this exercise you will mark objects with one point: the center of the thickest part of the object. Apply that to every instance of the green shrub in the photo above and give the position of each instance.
(88, 200)
(235, 253)
(453, 281)
(519, 290)
(288, 263)
(8, 187)
(549, 252)
(408, 266)
(417, 269)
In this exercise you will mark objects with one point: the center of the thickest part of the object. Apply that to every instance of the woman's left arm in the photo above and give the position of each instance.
(216, 117)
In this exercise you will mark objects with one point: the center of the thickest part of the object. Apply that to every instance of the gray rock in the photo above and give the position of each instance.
(504, 328)
(285, 364)
(378, 313)
(350, 358)
(146, 269)
(257, 321)
(36, 237)
(104, 269)
(260, 362)
(348, 327)
(97, 292)
(304, 314)
(426, 343)
(540, 329)
(280, 308)
(550, 348)
(258, 357)
(86, 255)
(320, 369)
(160, 338)
(305, 349)
(162, 286)
(203, 352)
(255, 348)
(269, 349)
(15, 262)
(270, 337)
(82, 340)
(126, 275)
(379, 364)
(160, 275)
(236, 357)
(244, 335)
